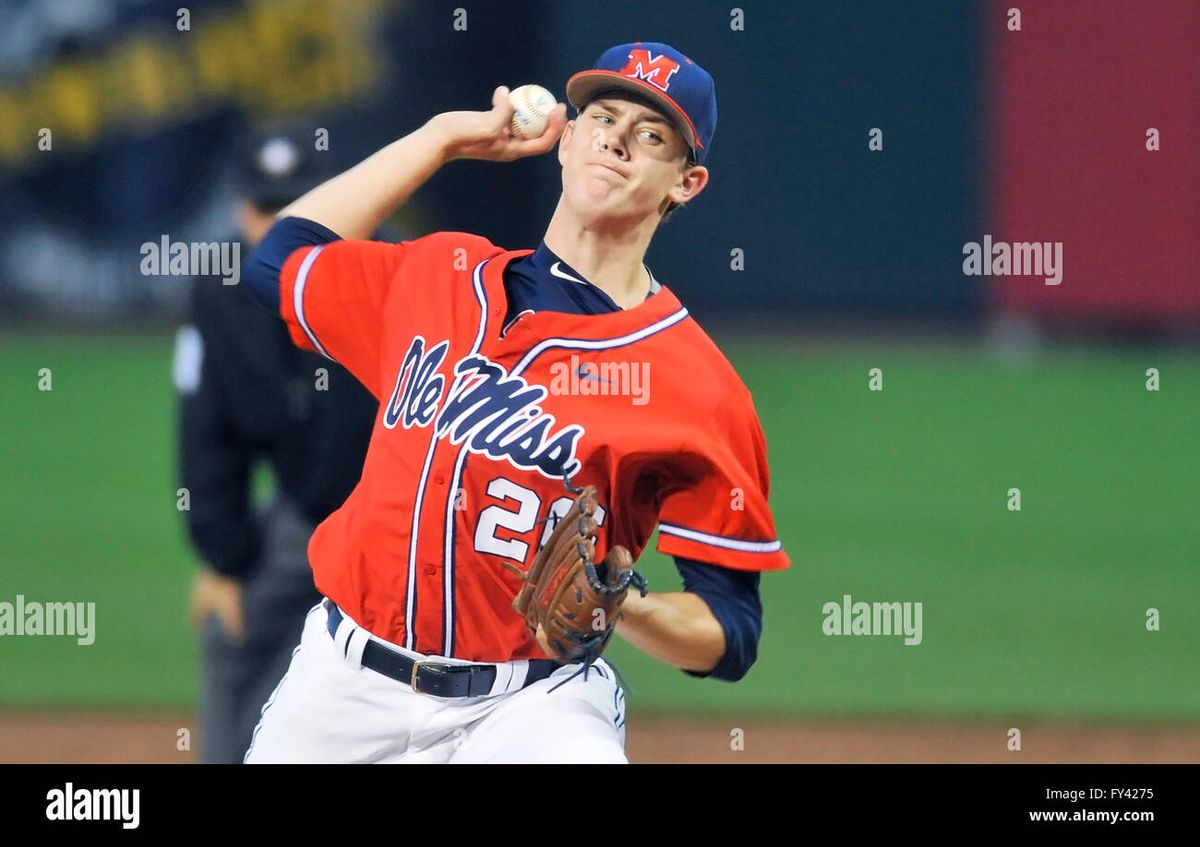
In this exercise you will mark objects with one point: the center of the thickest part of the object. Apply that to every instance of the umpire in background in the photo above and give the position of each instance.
(247, 394)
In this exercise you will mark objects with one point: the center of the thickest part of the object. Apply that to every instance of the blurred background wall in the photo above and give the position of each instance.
(1091, 139)
(1030, 135)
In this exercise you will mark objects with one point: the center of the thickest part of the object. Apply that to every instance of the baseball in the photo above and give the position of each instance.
(532, 105)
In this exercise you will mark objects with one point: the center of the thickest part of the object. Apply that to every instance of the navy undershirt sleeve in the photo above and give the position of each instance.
(732, 595)
(260, 271)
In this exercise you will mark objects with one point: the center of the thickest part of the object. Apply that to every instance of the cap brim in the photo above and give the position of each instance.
(583, 85)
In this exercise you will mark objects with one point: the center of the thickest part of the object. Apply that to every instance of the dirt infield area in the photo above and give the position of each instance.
(27, 737)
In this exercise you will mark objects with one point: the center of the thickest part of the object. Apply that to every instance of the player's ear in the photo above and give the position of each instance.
(564, 141)
(691, 182)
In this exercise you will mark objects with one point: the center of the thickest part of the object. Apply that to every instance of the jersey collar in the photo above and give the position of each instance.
(546, 260)
(539, 325)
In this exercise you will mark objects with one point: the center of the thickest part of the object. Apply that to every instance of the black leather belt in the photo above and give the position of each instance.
(435, 678)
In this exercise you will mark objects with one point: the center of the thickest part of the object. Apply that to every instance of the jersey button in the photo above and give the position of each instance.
(430, 570)
(440, 479)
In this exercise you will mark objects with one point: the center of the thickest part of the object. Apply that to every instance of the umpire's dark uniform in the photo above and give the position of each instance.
(247, 394)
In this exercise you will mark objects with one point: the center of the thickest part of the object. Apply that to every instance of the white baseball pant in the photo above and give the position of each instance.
(330, 709)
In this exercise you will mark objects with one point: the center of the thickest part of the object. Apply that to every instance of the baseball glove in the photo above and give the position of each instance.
(575, 600)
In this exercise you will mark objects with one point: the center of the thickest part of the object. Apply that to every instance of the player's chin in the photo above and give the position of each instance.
(596, 190)
(598, 206)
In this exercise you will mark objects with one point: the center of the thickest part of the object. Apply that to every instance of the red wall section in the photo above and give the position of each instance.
(1072, 95)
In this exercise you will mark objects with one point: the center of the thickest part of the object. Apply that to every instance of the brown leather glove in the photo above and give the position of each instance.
(574, 600)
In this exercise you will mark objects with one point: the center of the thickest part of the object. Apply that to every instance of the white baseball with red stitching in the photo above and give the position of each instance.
(533, 105)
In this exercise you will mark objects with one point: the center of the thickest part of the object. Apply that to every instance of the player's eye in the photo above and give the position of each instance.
(654, 135)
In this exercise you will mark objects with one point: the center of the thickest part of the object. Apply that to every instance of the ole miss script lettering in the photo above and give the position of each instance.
(494, 412)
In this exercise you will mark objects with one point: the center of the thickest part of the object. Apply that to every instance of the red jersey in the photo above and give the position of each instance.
(476, 431)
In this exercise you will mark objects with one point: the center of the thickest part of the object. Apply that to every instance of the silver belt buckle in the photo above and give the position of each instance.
(416, 667)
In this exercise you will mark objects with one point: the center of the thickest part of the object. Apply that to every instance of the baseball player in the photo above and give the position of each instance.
(501, 381)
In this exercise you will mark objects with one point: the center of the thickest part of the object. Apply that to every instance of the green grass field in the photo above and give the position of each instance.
(892, 496)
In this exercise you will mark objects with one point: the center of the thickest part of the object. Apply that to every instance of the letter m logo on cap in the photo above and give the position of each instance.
(642, 65)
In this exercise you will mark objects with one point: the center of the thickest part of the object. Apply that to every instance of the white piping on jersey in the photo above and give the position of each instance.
(720, 541)
(448, 551)
(411, 600)
(602, 344)
(452, 489)
(298, 298)
(520, 315)
(481, 296)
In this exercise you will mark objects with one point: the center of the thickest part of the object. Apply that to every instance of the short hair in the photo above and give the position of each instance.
(626, 94)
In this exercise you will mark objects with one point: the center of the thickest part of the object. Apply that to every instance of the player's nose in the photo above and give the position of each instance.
(613, 139)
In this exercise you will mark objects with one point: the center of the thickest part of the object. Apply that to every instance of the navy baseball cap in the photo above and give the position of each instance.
(680, 87)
